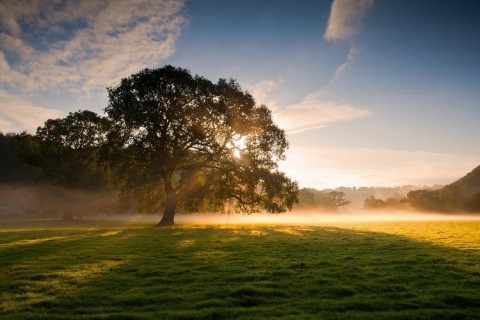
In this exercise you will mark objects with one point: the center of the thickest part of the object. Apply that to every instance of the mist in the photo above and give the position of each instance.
(318, 218)
(47, 202)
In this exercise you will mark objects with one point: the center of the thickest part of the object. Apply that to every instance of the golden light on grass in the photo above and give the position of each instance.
(237, 263)
(111, 233)
(28, 242)
(58, 283)
(187, 243)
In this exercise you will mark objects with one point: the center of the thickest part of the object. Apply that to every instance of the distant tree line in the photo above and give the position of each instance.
(312, 199)
(397, 203)
(45, 177)
(462, 195)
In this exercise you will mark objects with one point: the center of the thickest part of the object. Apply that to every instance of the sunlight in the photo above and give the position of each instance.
(59, 283)
(28, 242)
(110, 233)
(313, 218)
(187, 243)
(237, 145)
(82, 273)
(236, 153)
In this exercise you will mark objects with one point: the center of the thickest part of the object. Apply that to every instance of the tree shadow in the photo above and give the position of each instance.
(247, 272)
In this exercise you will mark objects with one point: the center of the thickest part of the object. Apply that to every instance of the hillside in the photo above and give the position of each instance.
(462, 195)
(465, 192)
(469, 184)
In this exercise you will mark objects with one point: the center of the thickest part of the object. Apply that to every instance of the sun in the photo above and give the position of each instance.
(237, 146)
(236, 153)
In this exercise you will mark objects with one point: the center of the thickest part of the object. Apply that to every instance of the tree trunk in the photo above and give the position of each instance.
(168, 214)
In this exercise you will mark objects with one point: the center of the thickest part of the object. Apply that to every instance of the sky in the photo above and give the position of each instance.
(370, 92)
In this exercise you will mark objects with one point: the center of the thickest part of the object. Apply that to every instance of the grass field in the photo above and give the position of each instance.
(114, 270)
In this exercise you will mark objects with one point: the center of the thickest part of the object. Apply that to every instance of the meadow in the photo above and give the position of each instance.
(123, 270)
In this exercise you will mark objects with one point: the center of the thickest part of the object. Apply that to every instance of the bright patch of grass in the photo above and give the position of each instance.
(109, 270)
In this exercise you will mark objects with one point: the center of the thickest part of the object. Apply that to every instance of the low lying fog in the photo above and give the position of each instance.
(312, 218)
(295, 218)
(23, 203)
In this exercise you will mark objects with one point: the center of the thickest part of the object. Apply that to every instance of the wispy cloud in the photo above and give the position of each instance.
(19, 115)
(327, 167)
(344, 23)
(83, 46)
(345, 18)
(315, 111)
(262, 91)
(342, 69)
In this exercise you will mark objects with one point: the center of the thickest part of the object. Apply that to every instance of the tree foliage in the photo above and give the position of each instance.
(70, 149)
(338, 198)
(313, 199)
(17, 153)
(72, 170)
(183, 142)
(391, 203)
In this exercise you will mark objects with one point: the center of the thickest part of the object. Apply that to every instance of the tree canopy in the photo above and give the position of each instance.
(182, 142)
(70, 149)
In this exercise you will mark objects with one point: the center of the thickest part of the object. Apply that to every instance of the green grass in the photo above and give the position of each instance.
(112, 270)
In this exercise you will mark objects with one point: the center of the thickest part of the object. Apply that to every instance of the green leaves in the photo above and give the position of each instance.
(185, 131)
(70, 148)
(175, 140)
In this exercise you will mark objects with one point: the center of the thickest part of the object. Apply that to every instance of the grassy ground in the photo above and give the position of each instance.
(110, 270)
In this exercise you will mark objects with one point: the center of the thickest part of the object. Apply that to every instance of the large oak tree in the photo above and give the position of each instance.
(184, 143)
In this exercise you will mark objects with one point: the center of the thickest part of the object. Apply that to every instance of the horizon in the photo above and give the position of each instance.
(370, 93)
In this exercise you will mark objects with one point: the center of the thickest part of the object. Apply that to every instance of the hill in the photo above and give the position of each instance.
(461, 195)
(465, 192)
(469, 184)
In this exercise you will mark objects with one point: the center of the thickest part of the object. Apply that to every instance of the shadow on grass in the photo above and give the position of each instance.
(240, 272)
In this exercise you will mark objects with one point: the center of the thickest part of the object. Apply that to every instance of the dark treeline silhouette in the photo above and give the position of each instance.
(354, 198)
(462, 195)
(169, 142)
(43, 178)
(327, 200)
(391, 203)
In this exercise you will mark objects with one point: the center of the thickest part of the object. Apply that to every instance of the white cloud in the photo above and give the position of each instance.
(83, 46)
(314, 111)
(345, 18)
(324, 167)
(262, 90)
(17, 114)
(342, 69)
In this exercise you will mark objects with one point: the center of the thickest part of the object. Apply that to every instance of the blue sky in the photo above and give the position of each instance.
(371, 92)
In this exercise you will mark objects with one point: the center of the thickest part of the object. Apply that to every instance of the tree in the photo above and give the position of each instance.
(306, 199)
(183, 142)
(70, 160)
(393, 203)
(337, 199)
(428, 200)
(473, 203)
(372, 203)
(16, 154)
